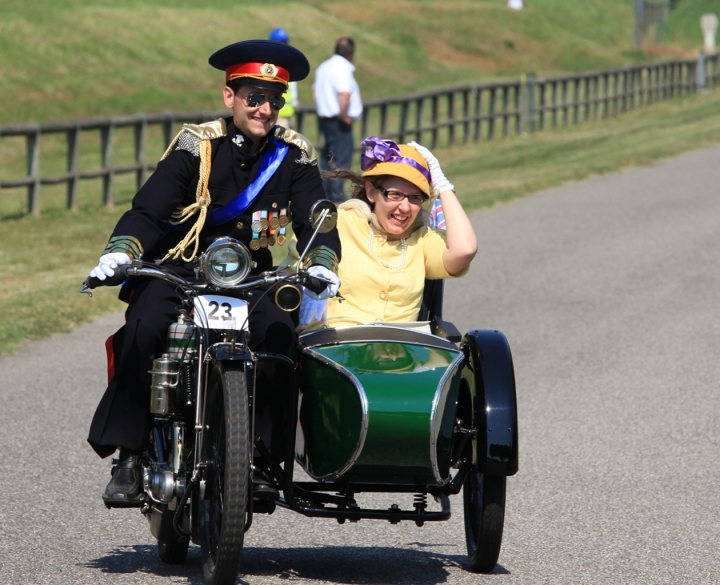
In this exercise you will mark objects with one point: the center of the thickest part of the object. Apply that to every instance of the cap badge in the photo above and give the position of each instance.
(269, 69)
(238, 140)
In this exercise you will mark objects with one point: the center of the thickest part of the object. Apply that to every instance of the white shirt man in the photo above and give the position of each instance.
(338, 103)
(335, 84)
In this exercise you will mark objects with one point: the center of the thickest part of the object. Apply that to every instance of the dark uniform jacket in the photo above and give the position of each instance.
(295, 186)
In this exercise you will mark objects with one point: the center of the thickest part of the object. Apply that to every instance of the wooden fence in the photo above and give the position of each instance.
(462, 114)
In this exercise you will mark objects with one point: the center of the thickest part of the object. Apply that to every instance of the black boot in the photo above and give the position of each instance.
(263, 486)
(125, 489)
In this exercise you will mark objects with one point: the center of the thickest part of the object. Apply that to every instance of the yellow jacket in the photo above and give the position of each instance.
(376, 292)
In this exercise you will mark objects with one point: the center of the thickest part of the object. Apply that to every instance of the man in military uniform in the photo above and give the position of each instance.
(236, 177)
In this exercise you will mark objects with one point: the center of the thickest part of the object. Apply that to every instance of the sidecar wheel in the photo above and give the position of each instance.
(484, 506)
(226, 449)
(174, 553)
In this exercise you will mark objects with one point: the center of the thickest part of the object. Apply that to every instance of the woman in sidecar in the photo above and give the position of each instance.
(388, 401)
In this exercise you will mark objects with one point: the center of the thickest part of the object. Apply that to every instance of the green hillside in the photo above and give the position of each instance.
(80, 58)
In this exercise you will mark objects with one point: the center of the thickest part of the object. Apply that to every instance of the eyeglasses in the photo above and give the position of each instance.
(255, 99)
(397, 196)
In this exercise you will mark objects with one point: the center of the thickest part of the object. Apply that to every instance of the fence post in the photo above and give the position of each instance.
(434, 121)
(701, 78)
(403, 122)
(505, 96)
(527, 100)
(451, 117)
(478, 112)
(140, 131)
(363, 125)
(466, 116)
(73, 148)
(168, 130)
(33, 171)
(419, 119)
(106, 135)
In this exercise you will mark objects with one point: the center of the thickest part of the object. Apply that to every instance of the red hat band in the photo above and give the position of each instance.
(264, 71)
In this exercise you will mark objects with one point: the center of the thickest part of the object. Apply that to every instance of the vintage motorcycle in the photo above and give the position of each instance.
(416, 409)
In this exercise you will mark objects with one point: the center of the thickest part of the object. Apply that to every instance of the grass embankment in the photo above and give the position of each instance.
(45, 259)
(83, 58)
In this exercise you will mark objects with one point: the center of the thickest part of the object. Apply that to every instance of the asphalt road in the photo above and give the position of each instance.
(608, 293)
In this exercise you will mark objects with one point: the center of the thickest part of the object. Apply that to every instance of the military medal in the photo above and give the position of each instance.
(274, 220)
(271, 240)
(281, 236)
(256, 223)
(263, 218)
(283, 219)
(263, 240)
(255, 242)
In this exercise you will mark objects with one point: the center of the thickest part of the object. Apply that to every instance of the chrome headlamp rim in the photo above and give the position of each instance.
(244, 261)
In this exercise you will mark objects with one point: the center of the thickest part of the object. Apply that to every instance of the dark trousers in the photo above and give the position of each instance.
(337, 153)
(123, 418)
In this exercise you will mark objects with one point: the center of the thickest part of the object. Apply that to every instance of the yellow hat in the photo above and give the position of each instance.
(384, 157)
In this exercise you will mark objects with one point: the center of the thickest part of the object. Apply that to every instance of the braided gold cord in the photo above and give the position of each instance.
(202, 196)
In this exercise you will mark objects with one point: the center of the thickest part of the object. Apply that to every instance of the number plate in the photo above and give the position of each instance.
(217, 312)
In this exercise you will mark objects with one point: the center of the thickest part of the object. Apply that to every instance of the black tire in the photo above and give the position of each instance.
(484, 504)
(173, 553)
(226, 448)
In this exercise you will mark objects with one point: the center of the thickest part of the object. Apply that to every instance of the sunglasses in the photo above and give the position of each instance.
(396, 196)
(255, 99)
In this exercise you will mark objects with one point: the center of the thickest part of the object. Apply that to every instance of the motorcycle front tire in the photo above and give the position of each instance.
(226, 449)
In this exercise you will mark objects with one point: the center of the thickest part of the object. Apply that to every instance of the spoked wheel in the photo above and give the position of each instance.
(484, 503)
(226, 449)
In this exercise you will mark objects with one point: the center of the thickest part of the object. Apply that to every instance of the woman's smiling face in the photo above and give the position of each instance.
(395, 217)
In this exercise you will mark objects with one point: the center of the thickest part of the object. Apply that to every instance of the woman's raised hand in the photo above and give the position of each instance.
(437, 178)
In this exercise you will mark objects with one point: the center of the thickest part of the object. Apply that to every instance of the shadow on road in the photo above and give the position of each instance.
(143, 558)
(334, 564)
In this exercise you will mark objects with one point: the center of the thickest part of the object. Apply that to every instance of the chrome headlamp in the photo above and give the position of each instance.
(226, 263)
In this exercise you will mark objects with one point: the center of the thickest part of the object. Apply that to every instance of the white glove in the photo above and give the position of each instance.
(437, 179)
(107, 264)
(312, 311)
(324, 274)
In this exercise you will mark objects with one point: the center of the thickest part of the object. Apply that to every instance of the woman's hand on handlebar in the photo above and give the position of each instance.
(107, 264)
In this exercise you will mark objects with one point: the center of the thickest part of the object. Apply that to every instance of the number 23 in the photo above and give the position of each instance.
(228, 311)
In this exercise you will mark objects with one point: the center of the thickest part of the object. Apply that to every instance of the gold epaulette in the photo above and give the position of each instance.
(309, 154)
(208, 130)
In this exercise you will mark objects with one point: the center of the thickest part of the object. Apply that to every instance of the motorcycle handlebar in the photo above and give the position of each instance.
(315, 284)
(119, 277)
(312, 283)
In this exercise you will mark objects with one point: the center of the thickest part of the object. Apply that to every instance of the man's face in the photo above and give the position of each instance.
(255, 123)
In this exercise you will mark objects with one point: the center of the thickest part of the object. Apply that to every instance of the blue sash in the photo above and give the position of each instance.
(269, 163)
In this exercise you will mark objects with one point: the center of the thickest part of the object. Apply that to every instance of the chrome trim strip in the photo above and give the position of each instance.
(423, 343)
(423, 338)
(436, 414)
(365, 416)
